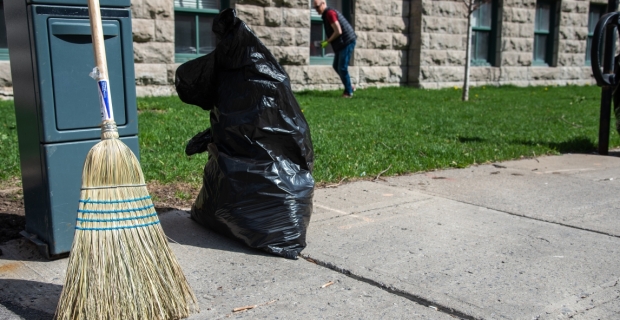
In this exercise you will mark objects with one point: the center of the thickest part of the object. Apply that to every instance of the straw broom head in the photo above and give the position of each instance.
(120, 266)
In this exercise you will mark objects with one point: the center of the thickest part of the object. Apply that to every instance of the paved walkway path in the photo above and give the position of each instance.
(529, 239)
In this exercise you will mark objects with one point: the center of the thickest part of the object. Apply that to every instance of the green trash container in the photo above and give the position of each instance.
(57, 106)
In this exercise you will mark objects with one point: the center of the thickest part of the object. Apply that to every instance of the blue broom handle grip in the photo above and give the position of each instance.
(105, 100)
(103, 83)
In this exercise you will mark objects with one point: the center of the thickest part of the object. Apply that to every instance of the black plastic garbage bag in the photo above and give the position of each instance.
(257, 183)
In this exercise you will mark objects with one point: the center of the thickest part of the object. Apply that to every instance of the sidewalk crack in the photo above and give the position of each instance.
(390, 289)
(522, 215)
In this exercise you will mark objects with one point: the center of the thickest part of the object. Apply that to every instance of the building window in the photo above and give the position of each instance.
(544, 27)
(317, 32)
(596, 11)
(193, 20)
(483, 34)
(4, 47)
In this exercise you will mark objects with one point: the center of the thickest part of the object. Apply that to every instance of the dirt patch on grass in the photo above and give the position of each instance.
(173, 196)
(12, 214)
(166, 197)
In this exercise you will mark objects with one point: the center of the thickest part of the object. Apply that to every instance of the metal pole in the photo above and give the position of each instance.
(607, 91)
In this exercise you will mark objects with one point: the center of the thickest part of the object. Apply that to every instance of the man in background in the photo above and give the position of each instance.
(341, 36)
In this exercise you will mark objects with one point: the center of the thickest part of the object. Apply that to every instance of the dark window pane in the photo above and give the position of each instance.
(480, 41)
(595, 15)
(482, 16)
(3, 43)
(475, 19)
(540, 47)
(209, 4)
(543, 16)
(184, 33)
(588, 48)
(316, 36)
(185, 3)
(334, 4)
(208, 40)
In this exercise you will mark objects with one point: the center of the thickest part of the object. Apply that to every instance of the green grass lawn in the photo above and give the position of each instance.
(403, 129)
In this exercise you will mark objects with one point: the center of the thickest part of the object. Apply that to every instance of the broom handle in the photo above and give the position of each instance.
(96, 28)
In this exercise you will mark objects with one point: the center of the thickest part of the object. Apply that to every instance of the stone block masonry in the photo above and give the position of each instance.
(153, 46)
(442, 44)
(400, 42)
(382, 51)
(378, 60)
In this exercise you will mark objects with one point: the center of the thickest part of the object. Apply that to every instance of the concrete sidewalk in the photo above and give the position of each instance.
(528, 239)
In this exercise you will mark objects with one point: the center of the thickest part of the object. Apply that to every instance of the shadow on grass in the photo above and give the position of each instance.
(337, 94)
(470, 139)
(575, 145)
(316, 94)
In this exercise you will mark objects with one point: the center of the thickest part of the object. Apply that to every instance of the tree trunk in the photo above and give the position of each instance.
(468, 52)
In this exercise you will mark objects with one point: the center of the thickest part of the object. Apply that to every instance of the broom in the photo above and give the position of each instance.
(120, 266)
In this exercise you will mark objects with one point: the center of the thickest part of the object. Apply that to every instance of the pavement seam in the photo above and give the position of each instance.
(522, 215)
(352, 213)
(415, 298)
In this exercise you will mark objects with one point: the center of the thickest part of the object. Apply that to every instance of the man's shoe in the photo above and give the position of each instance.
(344, 95)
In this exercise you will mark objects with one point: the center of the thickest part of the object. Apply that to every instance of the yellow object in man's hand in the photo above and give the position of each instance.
(324, 44)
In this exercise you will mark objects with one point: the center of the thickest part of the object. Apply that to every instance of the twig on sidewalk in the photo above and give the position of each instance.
(382, 172)
(241, 309)
(327, 284)
(336, 184)
(244, 308)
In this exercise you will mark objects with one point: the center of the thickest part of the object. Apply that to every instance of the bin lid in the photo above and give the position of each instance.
(103, 3)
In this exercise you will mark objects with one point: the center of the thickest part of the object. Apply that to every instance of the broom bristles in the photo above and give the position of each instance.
(120, 265)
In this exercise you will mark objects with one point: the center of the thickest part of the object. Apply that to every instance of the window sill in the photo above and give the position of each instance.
(480, 63)
(184, 57)
(317, 61)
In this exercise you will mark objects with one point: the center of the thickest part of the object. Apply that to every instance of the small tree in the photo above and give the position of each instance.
(471, 6)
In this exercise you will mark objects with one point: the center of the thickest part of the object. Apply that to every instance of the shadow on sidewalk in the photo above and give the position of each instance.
(27, 298)
(180, 228)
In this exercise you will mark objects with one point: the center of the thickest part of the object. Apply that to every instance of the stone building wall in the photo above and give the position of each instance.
(153, 47)
(381, 55)
(400, 42)
(6, 82)
(284, 28)
(442, 46)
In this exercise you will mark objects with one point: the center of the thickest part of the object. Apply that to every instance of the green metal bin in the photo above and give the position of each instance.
(57, 106)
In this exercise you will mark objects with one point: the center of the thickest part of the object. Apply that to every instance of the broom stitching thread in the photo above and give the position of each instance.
(119, 228)
(116, 211)
(116, 186)
(114, 201)
(117, 219)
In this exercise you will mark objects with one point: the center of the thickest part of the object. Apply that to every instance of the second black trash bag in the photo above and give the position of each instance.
(257, 184)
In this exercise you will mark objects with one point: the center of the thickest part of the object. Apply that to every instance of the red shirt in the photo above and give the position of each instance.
(331, 16)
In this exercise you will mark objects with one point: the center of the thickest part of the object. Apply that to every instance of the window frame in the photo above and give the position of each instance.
(183, 57)
(603, 9)
(492, 30)
(551, 37)
(346, 12)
